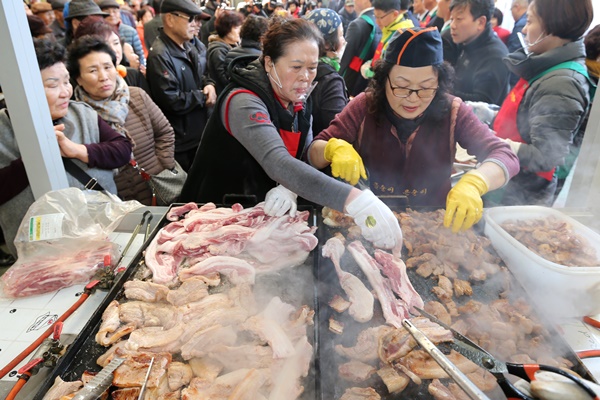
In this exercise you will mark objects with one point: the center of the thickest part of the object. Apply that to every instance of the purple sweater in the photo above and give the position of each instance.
(421, 168)
(113, 151)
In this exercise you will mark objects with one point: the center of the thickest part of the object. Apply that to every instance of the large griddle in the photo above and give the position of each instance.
(82, 354)
(331, 386)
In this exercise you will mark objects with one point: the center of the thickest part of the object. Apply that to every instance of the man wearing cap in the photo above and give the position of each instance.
(348, 14)
(405, 128)
(178, 77)
(126, 32)
(43, 11)
(58, 25)
(481, 75)
(75, 12)
(362, 38)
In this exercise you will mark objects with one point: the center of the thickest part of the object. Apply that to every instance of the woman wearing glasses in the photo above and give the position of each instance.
(405, 128)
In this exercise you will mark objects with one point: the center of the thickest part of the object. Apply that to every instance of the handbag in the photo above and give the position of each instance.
(166, 185)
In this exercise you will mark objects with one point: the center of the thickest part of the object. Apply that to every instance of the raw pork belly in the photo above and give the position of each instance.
(267, 244)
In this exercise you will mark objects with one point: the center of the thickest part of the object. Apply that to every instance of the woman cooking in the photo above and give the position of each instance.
(94, 147)
(129, 110)
(405, 129)
(257, 136)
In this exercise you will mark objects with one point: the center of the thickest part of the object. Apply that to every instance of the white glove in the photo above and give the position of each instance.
(279, 200)
(377, 222)
(484, 111)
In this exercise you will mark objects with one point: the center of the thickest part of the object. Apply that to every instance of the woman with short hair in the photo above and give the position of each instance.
(545, 110)
(129, 110)
(256, 138)
(227, 26)
(92, 147)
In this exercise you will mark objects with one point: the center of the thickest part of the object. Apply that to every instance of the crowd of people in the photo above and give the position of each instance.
(335, 102)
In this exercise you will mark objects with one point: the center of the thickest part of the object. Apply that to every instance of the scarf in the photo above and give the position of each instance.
(113, 109)
(332, 62)
(401, 22)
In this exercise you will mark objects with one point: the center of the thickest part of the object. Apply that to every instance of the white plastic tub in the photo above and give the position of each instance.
(558, 290)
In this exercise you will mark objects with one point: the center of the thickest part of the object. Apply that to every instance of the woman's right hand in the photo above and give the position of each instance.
(68, 148)
(377, 222)
(346, 163)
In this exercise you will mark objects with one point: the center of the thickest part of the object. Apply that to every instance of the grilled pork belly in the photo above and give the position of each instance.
(356, 371)
(191, 290)
(145, 291)
(367, 343)
(358, 393)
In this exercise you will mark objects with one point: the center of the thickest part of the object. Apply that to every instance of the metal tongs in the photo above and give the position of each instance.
(143, 389)
(102, 381)
(460, 378)
(485, 360)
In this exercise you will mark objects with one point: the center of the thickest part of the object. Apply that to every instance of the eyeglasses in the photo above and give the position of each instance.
(190, 19)
(384, 15)
(403, 92)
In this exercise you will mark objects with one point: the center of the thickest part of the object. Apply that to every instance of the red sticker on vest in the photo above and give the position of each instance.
(260, 118)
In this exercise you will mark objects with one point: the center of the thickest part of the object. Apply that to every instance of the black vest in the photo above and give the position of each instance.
(222, 166)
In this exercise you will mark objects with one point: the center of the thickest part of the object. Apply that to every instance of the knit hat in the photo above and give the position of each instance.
(415, 47)
(325, 19)
(40, 7)
(37, 27)
(349, 2)
(83, 8)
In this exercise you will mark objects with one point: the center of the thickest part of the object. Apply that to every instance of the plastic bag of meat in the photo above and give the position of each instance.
(63, 241)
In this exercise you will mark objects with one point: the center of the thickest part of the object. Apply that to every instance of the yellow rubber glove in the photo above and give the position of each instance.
(464, 206)
(345, 161)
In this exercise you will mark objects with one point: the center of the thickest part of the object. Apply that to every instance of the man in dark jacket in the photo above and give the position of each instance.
(518, 10)
(252, 30)
(208, 28)
(362, 38)
(481, 75)
(347, 14)
(177, 77)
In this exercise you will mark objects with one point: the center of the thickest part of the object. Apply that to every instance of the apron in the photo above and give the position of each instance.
(505, 123)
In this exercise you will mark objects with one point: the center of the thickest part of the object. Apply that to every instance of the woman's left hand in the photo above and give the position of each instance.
(68, 148)
(464, 206)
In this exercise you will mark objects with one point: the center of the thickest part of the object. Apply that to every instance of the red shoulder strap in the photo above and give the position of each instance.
(231, 95)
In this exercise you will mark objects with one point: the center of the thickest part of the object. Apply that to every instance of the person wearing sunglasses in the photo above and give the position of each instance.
(178, 77)
(404, 130)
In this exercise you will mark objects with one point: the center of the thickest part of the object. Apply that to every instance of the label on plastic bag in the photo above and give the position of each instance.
(45, 227)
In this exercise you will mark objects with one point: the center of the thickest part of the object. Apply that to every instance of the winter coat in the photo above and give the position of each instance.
(480, 73)
(215, 61)
(176, 78)
(550, 114)
(154, 146)
(330, 94)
